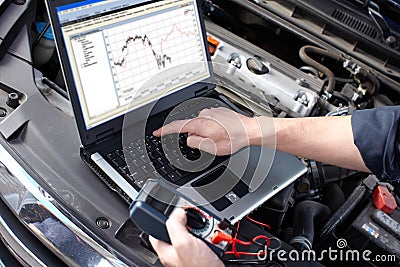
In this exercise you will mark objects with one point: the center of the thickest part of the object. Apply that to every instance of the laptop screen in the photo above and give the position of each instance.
(125, 54)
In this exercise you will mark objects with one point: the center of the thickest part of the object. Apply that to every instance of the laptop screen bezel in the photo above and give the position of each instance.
(94, 134)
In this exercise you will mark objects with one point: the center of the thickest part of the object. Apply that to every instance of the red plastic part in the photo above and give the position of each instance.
(219, 237)
(212, 44)
(383, 199)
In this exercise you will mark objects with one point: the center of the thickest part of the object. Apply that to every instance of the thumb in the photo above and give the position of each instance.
(176, 226)
(179, 216)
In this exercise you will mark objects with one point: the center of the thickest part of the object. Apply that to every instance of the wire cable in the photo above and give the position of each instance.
(234, 241)
(258, 223)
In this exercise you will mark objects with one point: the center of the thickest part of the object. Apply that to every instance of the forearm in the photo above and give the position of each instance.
(325, 139)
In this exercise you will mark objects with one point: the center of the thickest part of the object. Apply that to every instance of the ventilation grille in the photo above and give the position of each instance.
(356, 24)
(113, 186)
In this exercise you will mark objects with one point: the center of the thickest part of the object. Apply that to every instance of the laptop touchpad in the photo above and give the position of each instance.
(221, 187)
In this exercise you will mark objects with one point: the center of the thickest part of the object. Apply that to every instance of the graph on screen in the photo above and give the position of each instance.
(150, 45)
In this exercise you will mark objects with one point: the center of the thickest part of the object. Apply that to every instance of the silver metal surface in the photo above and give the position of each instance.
(17, 247)
(38, 211)
(114, 175)
(293, 88)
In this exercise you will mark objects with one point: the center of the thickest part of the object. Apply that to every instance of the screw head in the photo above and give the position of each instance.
(3, 112)
(103, 223)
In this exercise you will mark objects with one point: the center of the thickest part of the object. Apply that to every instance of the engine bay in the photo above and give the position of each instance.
(329, 204)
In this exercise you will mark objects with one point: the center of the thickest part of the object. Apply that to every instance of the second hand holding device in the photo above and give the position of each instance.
(157, 201)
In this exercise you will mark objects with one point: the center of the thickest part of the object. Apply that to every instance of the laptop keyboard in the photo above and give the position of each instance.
(153, 157)
(166, 157)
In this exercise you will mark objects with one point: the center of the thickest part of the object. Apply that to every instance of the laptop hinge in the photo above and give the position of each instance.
(104, 135)
(203, 91)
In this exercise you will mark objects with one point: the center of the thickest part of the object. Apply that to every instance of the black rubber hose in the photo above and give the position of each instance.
(306, 214)
(341, 214)
(304, 54)
(333, 196)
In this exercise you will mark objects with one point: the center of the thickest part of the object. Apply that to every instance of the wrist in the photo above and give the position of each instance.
(261, 131)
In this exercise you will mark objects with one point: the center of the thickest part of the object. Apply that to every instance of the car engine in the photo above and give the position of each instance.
(301, 77)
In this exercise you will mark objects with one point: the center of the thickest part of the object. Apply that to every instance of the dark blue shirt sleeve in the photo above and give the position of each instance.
(377, 137)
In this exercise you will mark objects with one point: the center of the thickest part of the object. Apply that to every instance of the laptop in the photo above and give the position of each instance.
(132, 66)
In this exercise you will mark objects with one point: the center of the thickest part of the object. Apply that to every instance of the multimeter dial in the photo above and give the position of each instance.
(198, 222)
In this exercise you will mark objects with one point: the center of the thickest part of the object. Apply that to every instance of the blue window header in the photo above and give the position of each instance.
(89, 8)
(78, 4)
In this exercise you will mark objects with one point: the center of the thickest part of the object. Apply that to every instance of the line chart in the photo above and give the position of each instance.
(150, 45)
(159, 57)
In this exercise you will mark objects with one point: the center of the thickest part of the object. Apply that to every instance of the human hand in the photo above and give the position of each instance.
(219, 131)
(185, 250)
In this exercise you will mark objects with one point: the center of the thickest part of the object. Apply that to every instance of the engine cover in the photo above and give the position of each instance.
(264, 75)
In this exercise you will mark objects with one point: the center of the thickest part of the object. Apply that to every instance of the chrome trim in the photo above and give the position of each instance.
(23, 194)
(16, 246)
(114, 175)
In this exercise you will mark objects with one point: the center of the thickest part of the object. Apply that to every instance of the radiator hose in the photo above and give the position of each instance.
(306, 214)
(304, 54)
